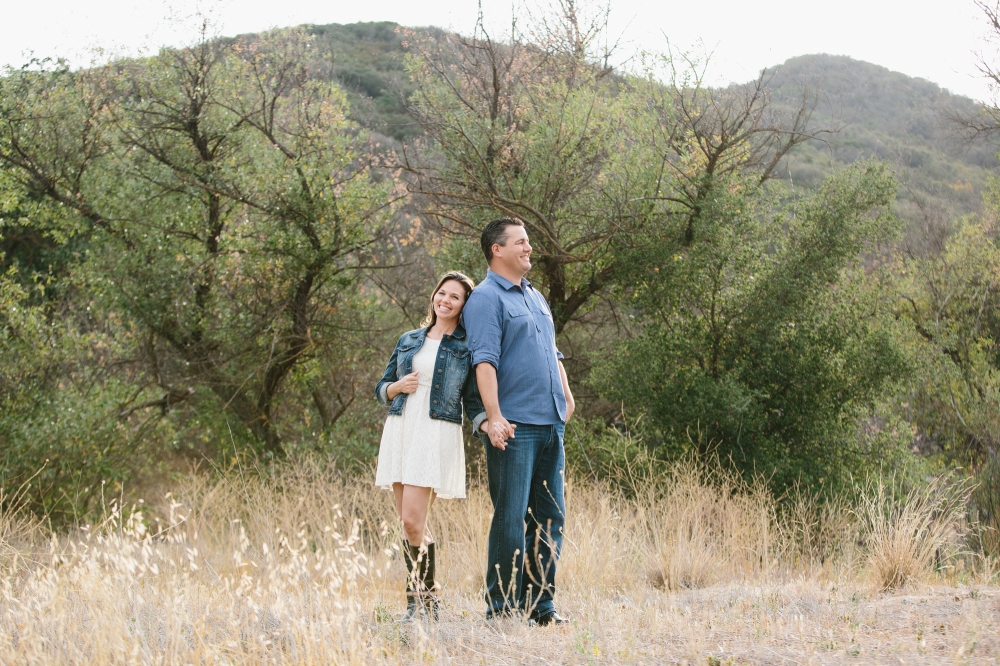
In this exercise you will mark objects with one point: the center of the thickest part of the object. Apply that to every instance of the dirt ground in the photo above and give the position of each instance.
(795, 623)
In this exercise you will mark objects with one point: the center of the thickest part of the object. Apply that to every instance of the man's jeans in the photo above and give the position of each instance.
(526, 486)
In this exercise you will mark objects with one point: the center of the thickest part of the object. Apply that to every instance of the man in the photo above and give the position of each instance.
(524, 389)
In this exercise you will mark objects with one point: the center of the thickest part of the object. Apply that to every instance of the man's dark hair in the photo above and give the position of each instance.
(496, 233)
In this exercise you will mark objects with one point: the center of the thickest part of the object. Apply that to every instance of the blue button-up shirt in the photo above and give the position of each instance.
(510, 327)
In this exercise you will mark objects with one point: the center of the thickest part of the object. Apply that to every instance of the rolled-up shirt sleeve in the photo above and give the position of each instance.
(484, 328)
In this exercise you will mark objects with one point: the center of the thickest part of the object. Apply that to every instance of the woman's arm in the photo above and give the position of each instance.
(388, 380)
(407, 385)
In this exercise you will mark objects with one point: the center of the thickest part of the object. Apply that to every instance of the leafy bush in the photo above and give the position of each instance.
(762, 335)
(598, 452)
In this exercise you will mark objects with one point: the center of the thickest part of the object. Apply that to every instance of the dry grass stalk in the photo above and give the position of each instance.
(19, 530)
(906, 538)
(706, 526)
(300, 567)
(820, 533)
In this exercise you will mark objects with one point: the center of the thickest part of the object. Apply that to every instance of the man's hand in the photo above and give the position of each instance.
(500, 430)
(570, 402)
(408, 384)
(496, 426)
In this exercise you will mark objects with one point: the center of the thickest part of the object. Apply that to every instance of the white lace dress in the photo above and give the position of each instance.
(417, 450)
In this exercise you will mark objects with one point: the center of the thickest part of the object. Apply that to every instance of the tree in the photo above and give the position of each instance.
(952, 301)
(590, 158)
(228, 205)
(762, 342)
(532, 131)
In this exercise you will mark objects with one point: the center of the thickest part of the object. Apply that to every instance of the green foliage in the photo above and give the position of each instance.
(763, 342)
(211, 211)
(598, 452)
(227, 203)
(952, 301)
(60, 437)
(24, 242)
(564, 160)
(367, 60)
(985, 505)
(198, 262)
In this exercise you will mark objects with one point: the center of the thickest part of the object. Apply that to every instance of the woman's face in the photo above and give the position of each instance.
(448, 301)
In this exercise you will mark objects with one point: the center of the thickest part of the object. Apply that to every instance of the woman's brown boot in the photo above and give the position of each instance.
(413, 562)
(429, 587)
(421, 596)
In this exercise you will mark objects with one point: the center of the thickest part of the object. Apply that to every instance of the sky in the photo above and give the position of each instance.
(937, 40)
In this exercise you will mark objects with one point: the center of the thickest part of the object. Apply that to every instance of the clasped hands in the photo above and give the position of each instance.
(499, 430)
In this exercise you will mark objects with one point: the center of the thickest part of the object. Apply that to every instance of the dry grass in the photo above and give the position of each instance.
(905, 538)
(301, 567)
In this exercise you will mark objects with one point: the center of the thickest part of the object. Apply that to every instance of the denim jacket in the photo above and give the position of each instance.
(454, 381)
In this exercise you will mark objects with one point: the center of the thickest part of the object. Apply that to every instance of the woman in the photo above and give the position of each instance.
(422, 454)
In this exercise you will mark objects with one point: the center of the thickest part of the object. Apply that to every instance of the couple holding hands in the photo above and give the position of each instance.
(490, 350)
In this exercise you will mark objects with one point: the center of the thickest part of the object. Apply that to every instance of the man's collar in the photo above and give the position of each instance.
(504, 282)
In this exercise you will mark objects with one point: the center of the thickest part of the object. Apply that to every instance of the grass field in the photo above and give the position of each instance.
(301, 567)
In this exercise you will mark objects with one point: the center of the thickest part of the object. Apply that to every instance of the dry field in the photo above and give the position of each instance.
(301, 567)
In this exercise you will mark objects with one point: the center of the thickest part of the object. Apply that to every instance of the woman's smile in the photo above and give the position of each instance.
(448, 300)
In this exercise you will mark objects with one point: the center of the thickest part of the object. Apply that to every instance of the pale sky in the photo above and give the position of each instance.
(933, 39)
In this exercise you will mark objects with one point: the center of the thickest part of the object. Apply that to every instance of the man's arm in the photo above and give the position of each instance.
(484, 326)
(498, 428)
(570, 402)
(473, 403)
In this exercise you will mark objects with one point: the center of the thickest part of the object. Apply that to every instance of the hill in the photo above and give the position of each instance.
(875, 113)
(878, 112)
(893, 116)
(367, 60)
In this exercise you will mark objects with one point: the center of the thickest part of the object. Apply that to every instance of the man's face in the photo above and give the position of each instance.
(514, 256)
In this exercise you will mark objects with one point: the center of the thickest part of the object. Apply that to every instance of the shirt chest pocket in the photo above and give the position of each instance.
(519, 320)
(455, 362)
(523, 321)
(539, 307)
(458, 354)
(516, 312)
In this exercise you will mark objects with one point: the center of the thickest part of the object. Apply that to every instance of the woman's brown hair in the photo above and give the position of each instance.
(460, 278)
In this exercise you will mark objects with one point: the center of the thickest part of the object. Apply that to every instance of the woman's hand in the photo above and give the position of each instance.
(500, 430)
(407, 385)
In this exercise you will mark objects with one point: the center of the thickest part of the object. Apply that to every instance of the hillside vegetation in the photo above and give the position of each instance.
(876, 112)
(209, 252)
(894, 117)
(778, 301)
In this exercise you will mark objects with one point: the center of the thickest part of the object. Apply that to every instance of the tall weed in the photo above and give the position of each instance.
(906, 537)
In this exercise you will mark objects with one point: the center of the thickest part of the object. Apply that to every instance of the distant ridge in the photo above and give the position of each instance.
(881, 113)
(893, 116)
